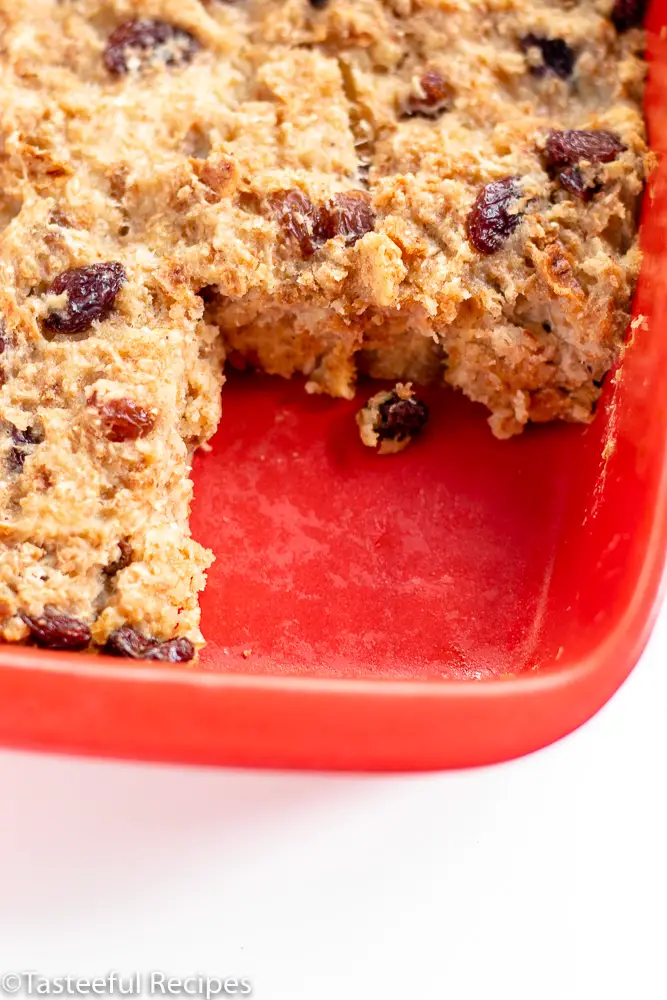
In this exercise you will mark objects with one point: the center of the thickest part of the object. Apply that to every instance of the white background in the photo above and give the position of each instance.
(543, 879)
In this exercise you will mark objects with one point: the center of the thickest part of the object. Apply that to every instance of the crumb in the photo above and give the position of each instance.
(391, 420)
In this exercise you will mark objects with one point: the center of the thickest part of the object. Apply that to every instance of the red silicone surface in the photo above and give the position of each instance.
(463, 602)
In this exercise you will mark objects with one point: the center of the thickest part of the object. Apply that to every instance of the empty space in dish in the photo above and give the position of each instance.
(334, 560)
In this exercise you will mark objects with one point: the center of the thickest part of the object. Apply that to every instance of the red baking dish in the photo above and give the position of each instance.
(464, 602)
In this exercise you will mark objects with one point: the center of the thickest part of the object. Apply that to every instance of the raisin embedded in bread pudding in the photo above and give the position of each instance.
(125, 420)
(21, 446)
(128, 642)
(492, 220)
(565, 150)
(554, 54)
(90, 295)
(573, 181)
(430, 97)
(56, 630)
(628, 14)
(299, 220)
(574, 145)
(349, 214)
(136, 44)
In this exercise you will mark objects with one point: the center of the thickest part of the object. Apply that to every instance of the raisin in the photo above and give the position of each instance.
(124, 559)
(490, 222)
(16, 459)
(570, 146)
(21, 440)
(172, 651)
(319, 4)
(565, 149)
(400, 418)
(125, 420)
(556, 55)
(435, 97)
(91, 292)
(29, 436)
(148, 40)
(56, 630)
(628, 14)
(127, 642)
(349, 214)
(299, 220)
(573, 181)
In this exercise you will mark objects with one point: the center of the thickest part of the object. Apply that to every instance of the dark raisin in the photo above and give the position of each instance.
(91, 292)
(349, 214)
(148, 40)
(399, 418)
(172, 651)
(125, 420)
(573, 181)
(628, 14)
(124, 559)
(555, 53)
(568, 147)
(56, 630)
(29, 436)
(565, 149)
(127, 642)
(318, 4)
(435, 97)
(22, 440)
(299, 220)
(490, 222)
(16, 459)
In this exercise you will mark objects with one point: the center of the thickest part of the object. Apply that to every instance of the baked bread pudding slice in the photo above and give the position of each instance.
(427, 191)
